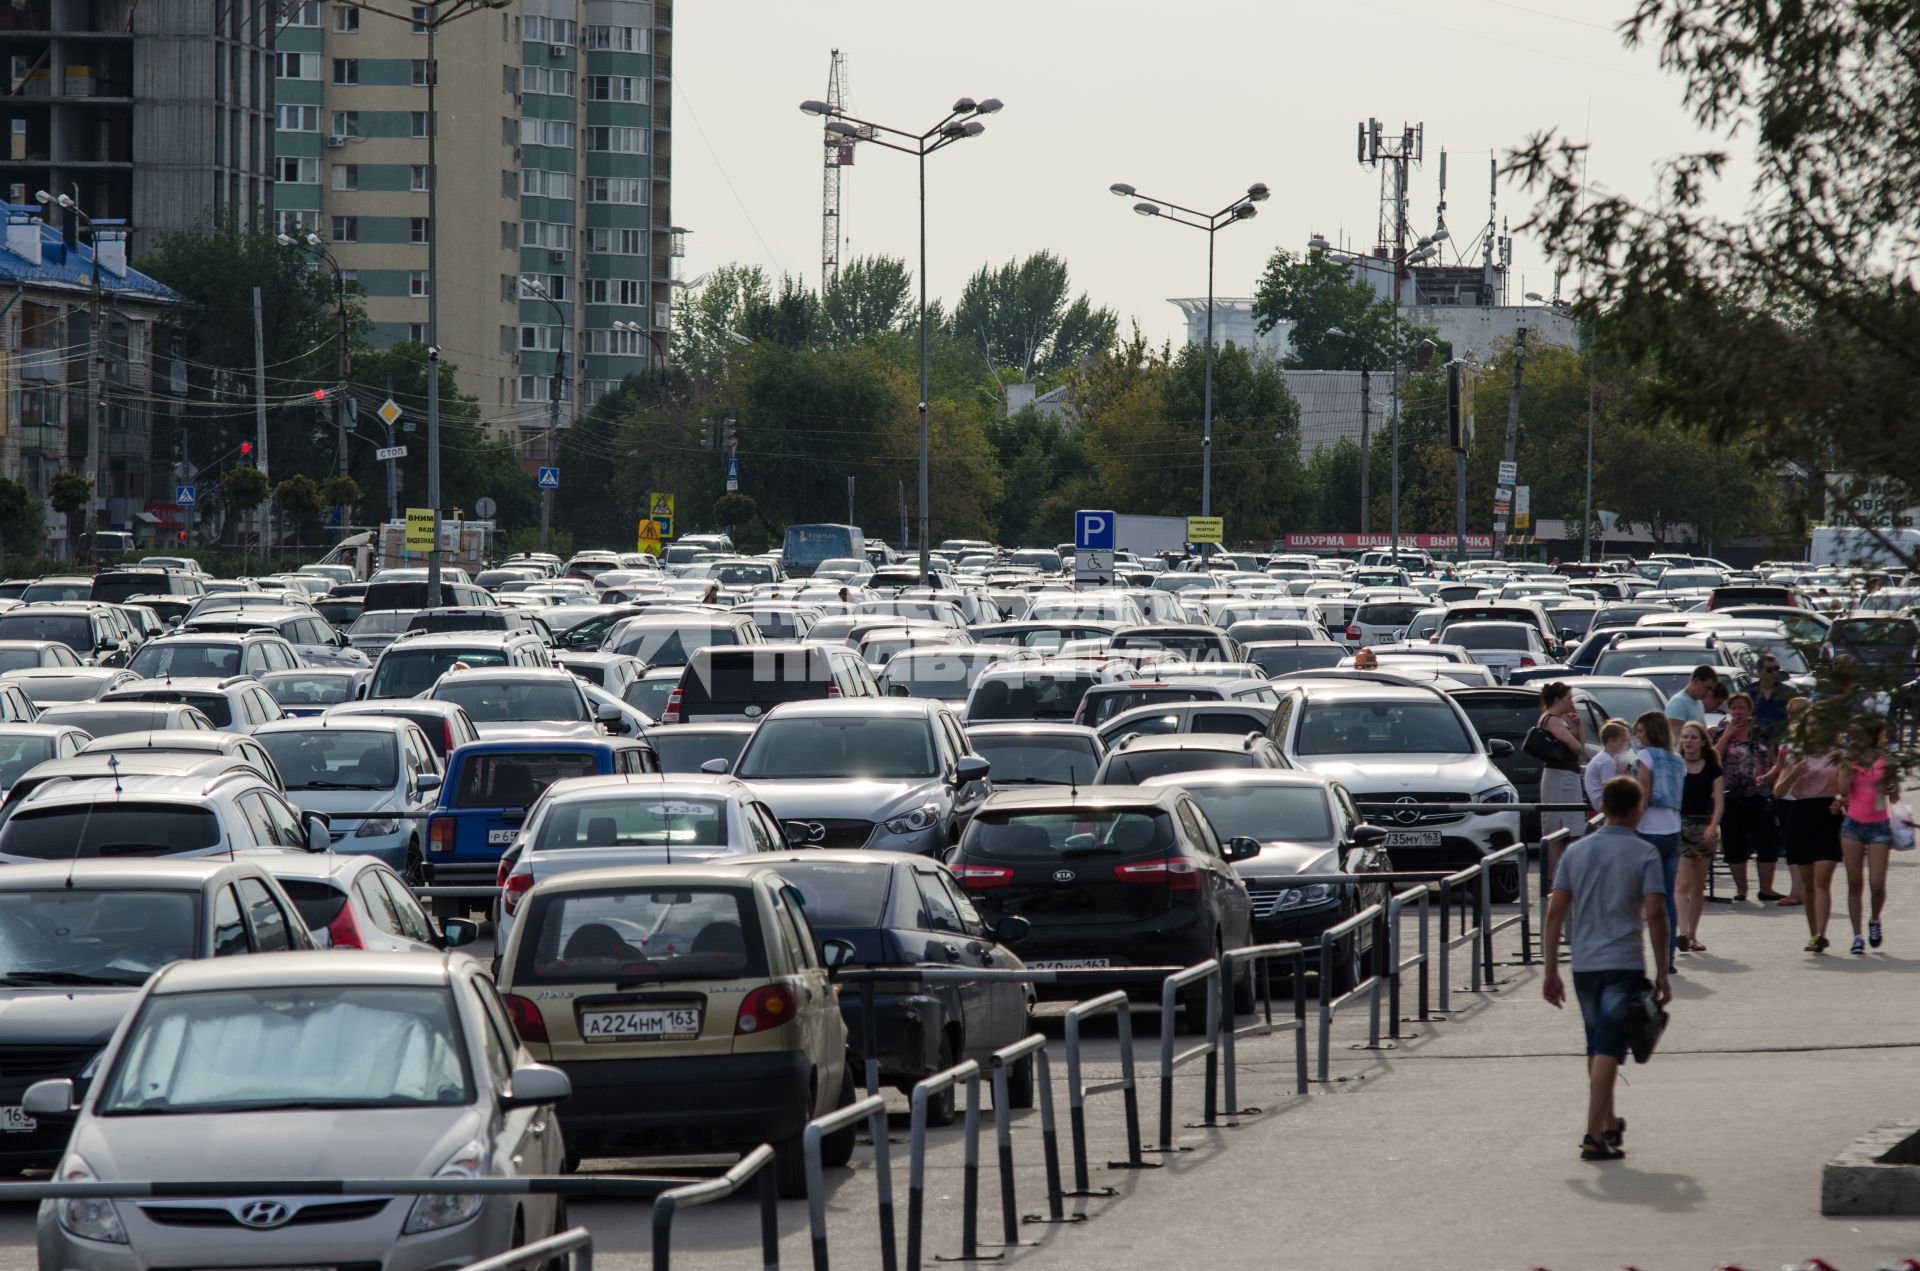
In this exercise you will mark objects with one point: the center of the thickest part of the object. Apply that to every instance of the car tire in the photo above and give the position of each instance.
(1020, 1084)
(1503, 883)
(415, 873)
(836, 1149)
(1244, 998)
(790, 1162)
(942, 1108)
(560, 1261)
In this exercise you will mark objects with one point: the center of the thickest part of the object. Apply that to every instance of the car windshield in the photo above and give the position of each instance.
(741, 574)
(684, 933)
(214, 706)
(1035, 695)
(108, 719)
(515, 702)
(310, 690)
(1475, 635)
(515, 778)
(1286, 659)
(686, 748)
(1108, 703)
(20, 659)
(306, 1047)
(1054, 761)
(160, 660)
(412, 672)
(853, 746)
(944, 675)
(17, 754)
(1355, 728)
(1627, 702)
(1619, 661)
(840, 894)
(74, 630)
(334, 759)
(1068, 833)
(77, 831)
(1265, 812)
(1501, 715)
(381, 622)
(118, 937)
(628, 820)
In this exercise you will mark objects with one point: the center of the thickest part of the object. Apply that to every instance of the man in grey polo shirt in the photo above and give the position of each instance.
(1609, 893)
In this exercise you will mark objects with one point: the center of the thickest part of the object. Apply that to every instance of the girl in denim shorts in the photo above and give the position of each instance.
(1866, 835)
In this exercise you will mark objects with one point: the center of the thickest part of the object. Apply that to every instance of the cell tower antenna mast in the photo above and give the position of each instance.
(1392, 155)
(838, 154)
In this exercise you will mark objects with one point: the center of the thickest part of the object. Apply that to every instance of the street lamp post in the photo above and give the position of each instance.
(959, 125)
(555, 390)
(314, 243)
(1211, 223)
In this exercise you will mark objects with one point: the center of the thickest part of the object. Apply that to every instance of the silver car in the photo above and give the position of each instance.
(306, 1065)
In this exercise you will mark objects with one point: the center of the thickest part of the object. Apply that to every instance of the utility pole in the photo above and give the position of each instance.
(260, 415)
(1500, 520)
(1586, 522)
(556, 389)
(393, 483)
(850, 517)
(96, 410)
(341, 373)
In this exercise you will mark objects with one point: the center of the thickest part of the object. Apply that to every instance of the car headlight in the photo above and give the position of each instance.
(88, 1217)
(1301, 897)
(378, 827)
(1499, 794)
(435, 1213)
(924, 817)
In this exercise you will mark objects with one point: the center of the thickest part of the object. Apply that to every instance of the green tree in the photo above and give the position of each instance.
(1338, 321)
(343, 493)
(69, 494)
(790, 316)
(242, 490)
(1019, 317)
(23, 522)
(734, 510)
(703, 338)
(1037, 454)
(868, 296)
(299, 500)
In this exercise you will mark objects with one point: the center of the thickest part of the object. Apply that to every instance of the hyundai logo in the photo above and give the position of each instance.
(816, 832)
(263, 1213)
(1064, 875)
(1409, 810)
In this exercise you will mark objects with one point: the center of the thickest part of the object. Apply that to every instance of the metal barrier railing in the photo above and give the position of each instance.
(577, 1241)
(1231, 1032)
(1033, 1046)
(1078, 1092)
(1421, 896)
(1524, 918)
(1170, 1061)
(873, 1110)
(706, 1191)
(1551, 847)
(1329, 1004)
(969, 1073)
(1448, 942)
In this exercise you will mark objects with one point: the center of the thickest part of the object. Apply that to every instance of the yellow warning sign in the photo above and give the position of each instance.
(419, 529)
(661, 506)
(1205, 529)
(649, 537)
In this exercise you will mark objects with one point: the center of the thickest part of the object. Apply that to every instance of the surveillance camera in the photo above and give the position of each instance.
(433, 353)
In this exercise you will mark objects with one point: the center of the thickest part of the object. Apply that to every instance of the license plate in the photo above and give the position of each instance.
(1413, 838)
(1067, 964)
(678, 1023)
(15, 1120)
(496, 837)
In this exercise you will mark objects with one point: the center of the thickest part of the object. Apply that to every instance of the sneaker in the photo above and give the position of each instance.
(1859, 947)
(1813, 944)
(1821, 944)
(1873, 933)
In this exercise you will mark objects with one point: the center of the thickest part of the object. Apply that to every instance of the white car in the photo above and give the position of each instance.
(527, 701)
(359, 764)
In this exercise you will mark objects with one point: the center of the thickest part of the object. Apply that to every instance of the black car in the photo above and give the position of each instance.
(1110, 877)
(1505, 714)
(690, 747)
(902, 911)
(1035, 753)
(1284, 657)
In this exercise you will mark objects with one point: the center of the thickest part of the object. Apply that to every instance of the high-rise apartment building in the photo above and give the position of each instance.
(551, 146)
(157, 115)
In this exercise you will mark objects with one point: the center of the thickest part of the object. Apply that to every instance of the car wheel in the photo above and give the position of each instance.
(1244, 1002)
(559, 1262)
(416, 867)
(1020, 1083)
(836, 1149)
(1503, 884)
(790, 1161)
(1344, 977)
(940, 1107)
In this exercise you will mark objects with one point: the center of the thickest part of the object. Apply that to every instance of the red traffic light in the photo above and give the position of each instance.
(319, 394)
(180, 537)
(246, 447)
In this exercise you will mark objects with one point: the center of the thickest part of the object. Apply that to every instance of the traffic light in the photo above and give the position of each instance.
(246, 450)
(319, 394)
(180, 537)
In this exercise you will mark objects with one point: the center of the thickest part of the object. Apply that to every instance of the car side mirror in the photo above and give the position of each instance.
(316, 823)
(970, 769)
(535, 1085)
(716, 766)
(1012, 929)
(427, 781)
(457, 933)
(360, 691)
(607, 713)
(1499, 748)
(798, 833)
(52, 1098)
(1241, 848)
(837, 953)
(1367, 836)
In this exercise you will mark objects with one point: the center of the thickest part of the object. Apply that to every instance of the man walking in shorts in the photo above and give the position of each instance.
(1609, 893)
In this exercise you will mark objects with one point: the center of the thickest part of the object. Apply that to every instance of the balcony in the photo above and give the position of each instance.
(663, 15)
(662, 66)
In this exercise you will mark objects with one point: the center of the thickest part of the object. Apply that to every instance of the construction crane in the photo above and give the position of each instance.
(838, 155)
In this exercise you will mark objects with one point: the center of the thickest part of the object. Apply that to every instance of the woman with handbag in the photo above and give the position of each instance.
(1558, 742)
(1807, 781)
(1662, 778)
(1703, 799)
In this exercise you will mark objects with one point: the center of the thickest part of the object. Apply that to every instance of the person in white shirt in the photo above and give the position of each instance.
(1616, 759)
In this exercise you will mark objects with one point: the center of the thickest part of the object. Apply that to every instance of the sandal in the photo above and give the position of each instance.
(1618, 1134)
(1697, 946)
(1592, 1151)
(1784, 901)
(1770, 896)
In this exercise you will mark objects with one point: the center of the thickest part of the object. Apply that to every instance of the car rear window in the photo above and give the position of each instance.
(1107, 705)
(630, 820)
(1039, 760)
(476, 620)
(124, 829)
(1131, 770)
(643, 934)
(1042, 695)
(212, 705)
(686, 747)
(840, 894)
(516, 779)
(318, 902)
(71, 629)
(1487, 637)
(1385, 615)
(1500, 717)
(1068, 834)
(411, 673)
(1305, 657)
(743, 678)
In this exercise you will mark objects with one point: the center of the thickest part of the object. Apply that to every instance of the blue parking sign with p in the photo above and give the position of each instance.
(1093, 530)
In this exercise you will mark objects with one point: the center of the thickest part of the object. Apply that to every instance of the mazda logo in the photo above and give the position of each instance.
(1409, 811)
(263, 1213)
(1064, 875)
(816, 832)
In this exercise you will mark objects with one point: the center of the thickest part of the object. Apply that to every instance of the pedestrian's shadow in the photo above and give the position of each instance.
(1618, 1184)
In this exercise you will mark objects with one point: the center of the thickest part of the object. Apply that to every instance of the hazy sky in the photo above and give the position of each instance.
(1190, 100)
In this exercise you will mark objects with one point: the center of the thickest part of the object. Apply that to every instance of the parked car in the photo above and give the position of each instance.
(1110, 877)
(1049, 689)
(233, 704)
(691, 1009)
(377, 1065)
(671, 639)
(1103, 702)
(182, 741)
(1283, 657)
(1506, 714)
(138, 815)
(1029, 754)
(352, 901)
(311, 690)
(738, 681)
(527, 701)
(107, 719)
(212, 655)
(22, 655)
(350, 768)
(81, 937)
(1233, 719)
(315, 641)
(26, 746)
(691, 747)
(412, 665)
(909, 912)
(445, 723)
(89, 630)
(52, 686)
(1135, 757)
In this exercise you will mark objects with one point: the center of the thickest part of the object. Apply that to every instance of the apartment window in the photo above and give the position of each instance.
(533, 388)
(417, 332)
(304, 14)
(509, 185)
(613, 291)
(617, 242)
(297, 66)
(557, 236)
(419, 123)
(297, 118)
(346, 70)
(541, 338)
(295, 223)
(539, 30)
(346, 176)
(557, 133)
(553, 185)
(616, 190)
(296, 171)
(422, 18)
(509, 286)
(417, 178)
(416, 282)
(346, 19)
(615, 343)
(617, 140)
(418, 231)
(346, 229)
(617, 39)
(423, 71)
(558, 286)
(506, 236)
(615, 88)
(346, 123)
(350, 278)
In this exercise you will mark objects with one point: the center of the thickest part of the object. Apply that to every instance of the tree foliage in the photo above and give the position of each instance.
(1338, 322)
(298, 499)
(243, 490)
(870, 295)
(1020, 318)
(703, 335)
(23, 522)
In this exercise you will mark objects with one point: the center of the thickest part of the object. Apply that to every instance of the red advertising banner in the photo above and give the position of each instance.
(1357, 542)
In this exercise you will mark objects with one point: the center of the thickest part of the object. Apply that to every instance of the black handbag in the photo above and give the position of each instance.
(1545, 747)
(1643, 1020)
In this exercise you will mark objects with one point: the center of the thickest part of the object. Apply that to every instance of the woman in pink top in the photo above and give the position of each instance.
(1866, 835)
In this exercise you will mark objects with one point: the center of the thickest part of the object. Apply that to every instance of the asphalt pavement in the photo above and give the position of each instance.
(1457, 1148)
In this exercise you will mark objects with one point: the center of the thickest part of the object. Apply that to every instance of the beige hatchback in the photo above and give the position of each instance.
(689, 1006)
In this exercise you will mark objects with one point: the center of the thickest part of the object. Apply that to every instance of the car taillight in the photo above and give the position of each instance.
(766, 1007)
(981, 877)
(440, 834)
(1353, 632)
(526, 1018)
(1434, 638)
(833, 690)
(513, 889)
(1525, 660)
(446, 734)
(344, 931)
(670, 713)
(505, 868)
(1177, 872)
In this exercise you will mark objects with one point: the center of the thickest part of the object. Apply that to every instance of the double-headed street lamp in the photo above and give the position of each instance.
(959, 125)
(318, 246)
(1241, 209)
